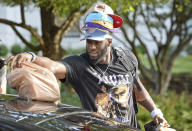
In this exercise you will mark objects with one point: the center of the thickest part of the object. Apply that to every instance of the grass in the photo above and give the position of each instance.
(182, 64)
(68, 95)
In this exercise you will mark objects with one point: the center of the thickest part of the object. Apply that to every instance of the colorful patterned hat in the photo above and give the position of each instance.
(101, 21)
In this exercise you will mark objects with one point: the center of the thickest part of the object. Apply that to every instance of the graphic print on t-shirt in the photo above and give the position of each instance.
(113, 102)
(114, 79)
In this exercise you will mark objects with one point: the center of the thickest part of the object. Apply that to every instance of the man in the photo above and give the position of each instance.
(99, 77)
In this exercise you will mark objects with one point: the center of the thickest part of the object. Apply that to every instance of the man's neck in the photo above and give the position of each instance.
(107, 58)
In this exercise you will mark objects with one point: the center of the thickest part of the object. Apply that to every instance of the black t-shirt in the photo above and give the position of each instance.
(103, 88)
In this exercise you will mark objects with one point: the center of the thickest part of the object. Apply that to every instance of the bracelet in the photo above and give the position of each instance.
(33, 56)
(155, 112)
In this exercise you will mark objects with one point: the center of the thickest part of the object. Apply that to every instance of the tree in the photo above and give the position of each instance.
(177, 13)
(52, 32)
(168, 23)
(69, 11)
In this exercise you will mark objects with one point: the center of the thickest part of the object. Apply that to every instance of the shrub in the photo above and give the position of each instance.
(16, 49)
(177, 109)
(3, 50)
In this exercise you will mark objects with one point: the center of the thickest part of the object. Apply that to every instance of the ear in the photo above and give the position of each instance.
(109, 42)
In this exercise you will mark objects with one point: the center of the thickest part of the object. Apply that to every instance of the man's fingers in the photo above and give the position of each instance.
(12, 61)
(9, 59)
(24, 57)
(19, 60)
(160, 122)
(156, 121)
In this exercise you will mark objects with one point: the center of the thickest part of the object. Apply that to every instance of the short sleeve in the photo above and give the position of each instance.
(74, 67)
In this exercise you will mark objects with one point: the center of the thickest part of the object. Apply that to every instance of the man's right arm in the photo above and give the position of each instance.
(56, 67)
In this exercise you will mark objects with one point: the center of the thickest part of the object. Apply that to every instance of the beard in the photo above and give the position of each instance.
(97, 60)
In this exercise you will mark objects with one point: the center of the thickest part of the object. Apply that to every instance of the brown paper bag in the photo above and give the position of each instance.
(34, 82)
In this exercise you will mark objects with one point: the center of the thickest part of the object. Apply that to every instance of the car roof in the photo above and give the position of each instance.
(24, 114)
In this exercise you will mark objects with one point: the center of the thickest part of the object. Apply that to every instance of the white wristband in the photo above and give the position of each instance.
(33, 56)
(155, 112)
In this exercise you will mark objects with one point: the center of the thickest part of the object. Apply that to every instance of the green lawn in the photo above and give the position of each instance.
(182, 64)
(68, 95)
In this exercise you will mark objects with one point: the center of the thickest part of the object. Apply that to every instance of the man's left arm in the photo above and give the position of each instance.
(143, 98)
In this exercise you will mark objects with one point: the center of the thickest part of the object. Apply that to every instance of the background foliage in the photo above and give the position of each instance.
(176, 109)
(16, 49)
(3, 50)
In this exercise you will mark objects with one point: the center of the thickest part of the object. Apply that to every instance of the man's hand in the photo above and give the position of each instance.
(160, 120)
(18, 59)
(57, 68)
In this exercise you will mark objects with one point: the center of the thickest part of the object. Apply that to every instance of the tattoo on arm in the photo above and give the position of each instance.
(143, 97)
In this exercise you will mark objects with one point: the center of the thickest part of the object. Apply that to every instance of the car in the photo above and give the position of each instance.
(22, 114)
